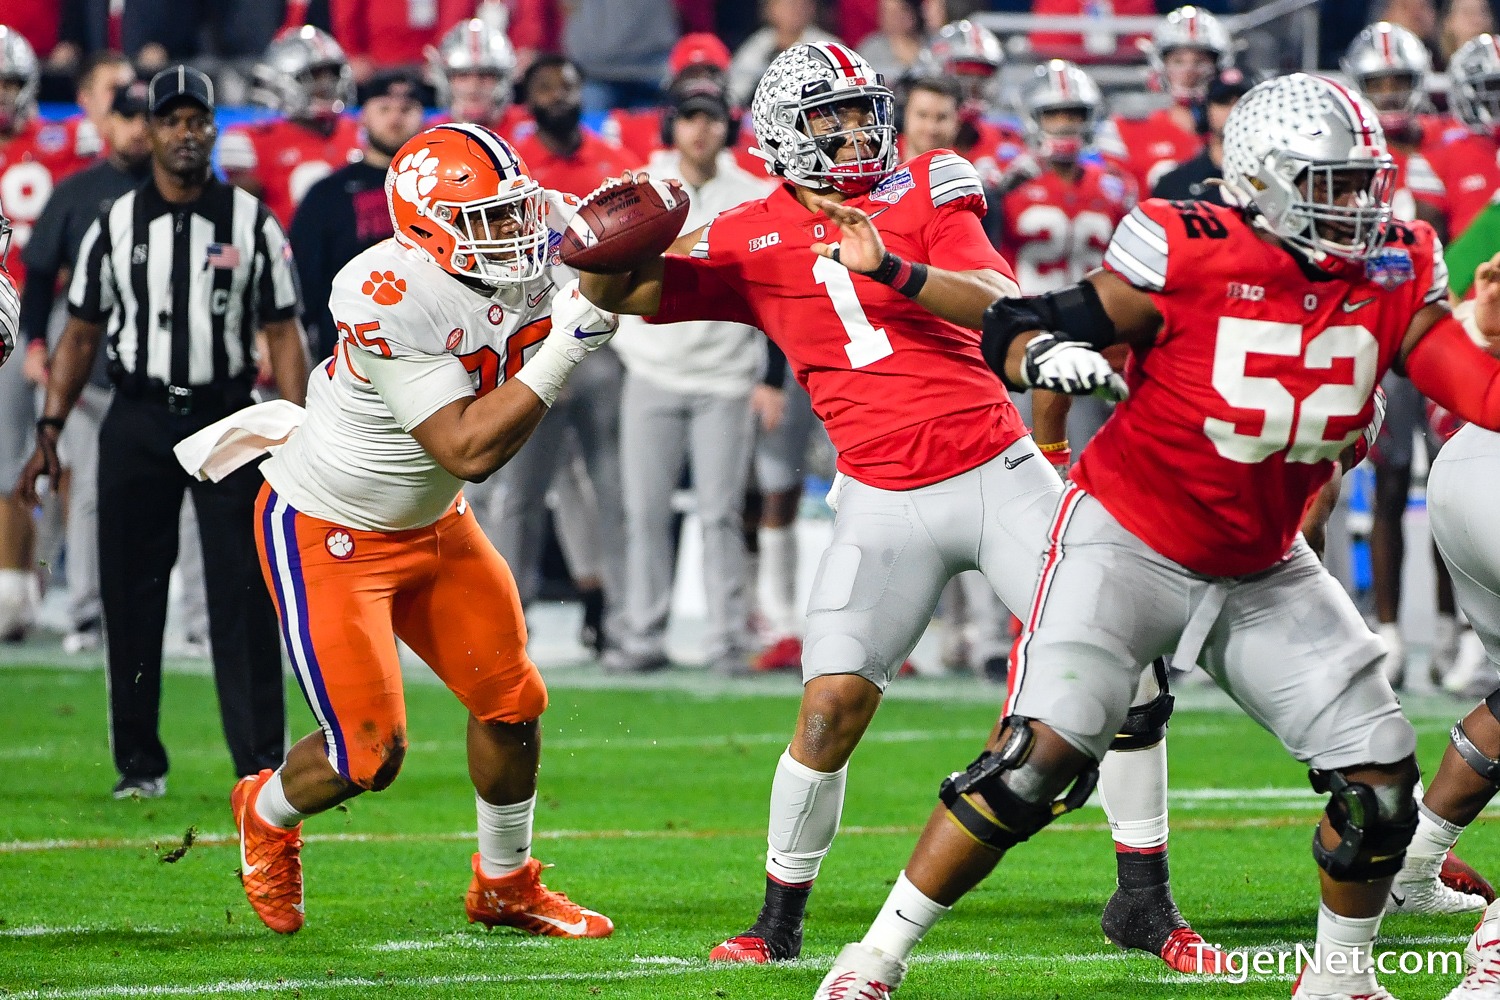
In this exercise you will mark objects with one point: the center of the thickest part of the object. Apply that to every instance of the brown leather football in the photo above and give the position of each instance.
(622, 226)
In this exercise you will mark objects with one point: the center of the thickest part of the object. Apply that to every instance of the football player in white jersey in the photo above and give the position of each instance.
(453, 342)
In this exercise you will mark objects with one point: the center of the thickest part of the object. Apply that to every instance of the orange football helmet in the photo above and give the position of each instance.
(461, 194)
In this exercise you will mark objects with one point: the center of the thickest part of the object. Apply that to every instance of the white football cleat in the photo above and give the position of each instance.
(1483, 959)
(1428, 894)
(1373, 992)
(861, 973)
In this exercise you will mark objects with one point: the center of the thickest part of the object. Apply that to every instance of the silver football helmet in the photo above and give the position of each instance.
(287, 77)
(1390, 65)
(967, 52)
(798, 126)
(474, 49)
(1475, 72)
(17, 65)
(5, 233)
(1188, 28)
(1058, 85)
(1307, 155)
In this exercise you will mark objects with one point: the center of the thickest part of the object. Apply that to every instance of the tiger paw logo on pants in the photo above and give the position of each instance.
(340, 544)
(384, 287)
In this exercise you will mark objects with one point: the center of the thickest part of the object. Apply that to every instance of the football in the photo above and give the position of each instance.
(619, 227)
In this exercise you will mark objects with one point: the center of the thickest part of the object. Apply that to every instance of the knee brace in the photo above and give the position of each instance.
(1006, 818)
(1485, 766)
(1146, 725)
(1372, 836)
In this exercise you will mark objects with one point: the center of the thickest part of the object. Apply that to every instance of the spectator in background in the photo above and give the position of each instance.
(161, 31)
(306, 77)
(101, 78)
(787, 23)
(345, 213)
(686, 399)
(1191, 180)
(621, 48)
(1417, 16)
(55, 240)
(895, 47)
(1464, 19)
(1092, 46)
(562, 156)
(385, 34)
(535, 28)
(929, 116)
(88, 26)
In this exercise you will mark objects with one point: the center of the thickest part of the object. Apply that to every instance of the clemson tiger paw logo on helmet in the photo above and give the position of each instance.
(416, 176)
(384, 287)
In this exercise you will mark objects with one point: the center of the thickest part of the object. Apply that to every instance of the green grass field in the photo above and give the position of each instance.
(653, 811)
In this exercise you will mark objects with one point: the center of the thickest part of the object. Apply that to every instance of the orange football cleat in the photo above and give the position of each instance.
(521, 900)
(270, 860)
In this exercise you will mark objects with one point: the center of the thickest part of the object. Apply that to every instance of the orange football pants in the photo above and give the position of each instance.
(344, 595)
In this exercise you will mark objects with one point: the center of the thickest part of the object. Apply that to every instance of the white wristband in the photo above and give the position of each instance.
(549, 368)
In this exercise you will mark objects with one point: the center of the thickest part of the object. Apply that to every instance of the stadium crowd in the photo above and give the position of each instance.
(587, 90)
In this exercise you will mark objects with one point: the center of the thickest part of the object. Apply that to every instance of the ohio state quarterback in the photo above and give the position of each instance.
(454, 342)
(1258, 334)
(858, 268)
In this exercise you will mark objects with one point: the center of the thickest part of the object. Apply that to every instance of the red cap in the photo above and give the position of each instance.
(698, 49)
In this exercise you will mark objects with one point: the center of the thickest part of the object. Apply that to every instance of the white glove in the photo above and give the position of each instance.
(1070, 368)
(578, 324)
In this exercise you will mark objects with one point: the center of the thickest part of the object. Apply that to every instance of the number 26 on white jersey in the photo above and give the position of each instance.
(1284, 426)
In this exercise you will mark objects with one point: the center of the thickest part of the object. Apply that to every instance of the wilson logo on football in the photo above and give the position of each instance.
(340, 544)
(384, 287)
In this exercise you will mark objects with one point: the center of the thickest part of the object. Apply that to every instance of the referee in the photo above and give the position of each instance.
(178, 274)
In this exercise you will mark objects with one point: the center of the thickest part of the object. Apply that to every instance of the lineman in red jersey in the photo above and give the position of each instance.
(34, 155)
(1187, 51)
(971, 54)
(305, 77)
(937, 474)
(1466, 155)
(1258, 335)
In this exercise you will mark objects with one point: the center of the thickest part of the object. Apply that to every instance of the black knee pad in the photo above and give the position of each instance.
(1146, 725)
(1006, 818)
(1372, 841)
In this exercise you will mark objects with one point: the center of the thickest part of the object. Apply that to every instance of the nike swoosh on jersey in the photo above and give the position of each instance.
(1349, 307)
(579, 926)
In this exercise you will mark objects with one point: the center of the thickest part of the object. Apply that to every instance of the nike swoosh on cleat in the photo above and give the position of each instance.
(246, 868)
(579, 927)
(907, 919)
(1397, 898)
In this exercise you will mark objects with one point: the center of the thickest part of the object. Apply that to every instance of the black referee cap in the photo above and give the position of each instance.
(180, 82)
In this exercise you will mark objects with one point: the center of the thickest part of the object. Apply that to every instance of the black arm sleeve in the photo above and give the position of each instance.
(775, 375)
(1074, 313)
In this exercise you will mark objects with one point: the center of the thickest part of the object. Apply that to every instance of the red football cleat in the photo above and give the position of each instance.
(745, 948)
(1186, 951)
(521, 900)
(270, 860)
(1458, 875)
(783, 654)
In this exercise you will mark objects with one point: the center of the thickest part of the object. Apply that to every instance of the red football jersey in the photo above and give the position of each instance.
(288, 158)
(1259, 378)
(1056, 230)
(590, 165)
(906, 396)
(1468, 164)
(1146, 148)
(31, 164)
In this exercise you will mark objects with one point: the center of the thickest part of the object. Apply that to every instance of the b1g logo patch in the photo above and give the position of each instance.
(339, 543)
(893, 187)
(1390, 268)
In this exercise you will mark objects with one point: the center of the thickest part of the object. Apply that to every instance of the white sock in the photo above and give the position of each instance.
(504, 836)
(1133, 792)
(805, 810)
(272, 807)
(904, 920)
(778, 563)
(1431, 843)
(1345, 948)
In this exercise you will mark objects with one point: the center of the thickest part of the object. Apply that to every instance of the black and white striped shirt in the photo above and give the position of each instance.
(183, 289)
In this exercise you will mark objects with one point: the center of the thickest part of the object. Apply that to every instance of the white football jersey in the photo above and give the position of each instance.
(412, 339)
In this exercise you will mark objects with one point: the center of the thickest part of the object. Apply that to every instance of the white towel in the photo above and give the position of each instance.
(243, 436)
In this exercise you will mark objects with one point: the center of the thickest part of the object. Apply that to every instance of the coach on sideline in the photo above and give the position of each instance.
(178, 274)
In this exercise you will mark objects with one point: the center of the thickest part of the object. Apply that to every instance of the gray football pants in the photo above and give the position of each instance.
(1462, 486)
(590, 406)
(1286, 644)
(659, 431)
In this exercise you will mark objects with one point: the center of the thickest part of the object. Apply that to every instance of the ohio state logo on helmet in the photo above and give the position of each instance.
(814, 103)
